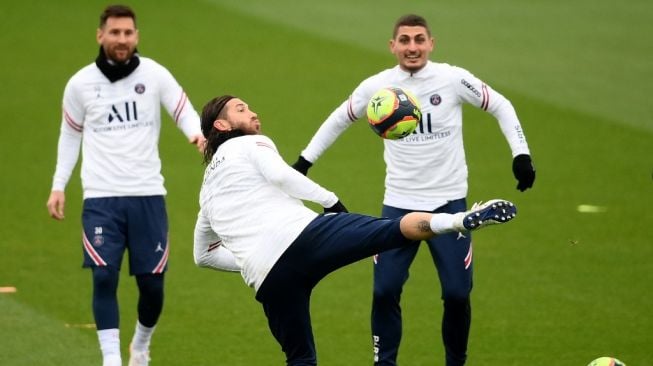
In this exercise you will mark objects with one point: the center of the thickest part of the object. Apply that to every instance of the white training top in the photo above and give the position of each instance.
(118, 125)
(251, 199)
(427, 168)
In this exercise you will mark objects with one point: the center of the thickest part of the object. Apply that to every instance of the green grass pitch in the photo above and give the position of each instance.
(556, 286)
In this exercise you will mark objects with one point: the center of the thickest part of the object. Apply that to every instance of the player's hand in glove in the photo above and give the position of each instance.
(338, 207)
(524, 171)
(302, 165)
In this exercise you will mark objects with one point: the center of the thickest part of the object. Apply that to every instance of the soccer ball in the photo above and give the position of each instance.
(606, 361)
(393, 113)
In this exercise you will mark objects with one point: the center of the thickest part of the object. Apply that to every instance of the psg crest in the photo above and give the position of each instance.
(98, 240)
(139, 88)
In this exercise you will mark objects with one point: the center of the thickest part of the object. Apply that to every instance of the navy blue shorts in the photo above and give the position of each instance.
(329, 242)
(115, 224)
(332, 241)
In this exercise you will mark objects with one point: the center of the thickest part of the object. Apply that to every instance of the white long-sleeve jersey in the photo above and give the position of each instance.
(427, 168)
(252, 200)
(118, 125)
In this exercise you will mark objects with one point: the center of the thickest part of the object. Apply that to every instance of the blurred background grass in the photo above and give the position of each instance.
(556, 285)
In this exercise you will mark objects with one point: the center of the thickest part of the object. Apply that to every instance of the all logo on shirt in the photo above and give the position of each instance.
(123, 113)
(123, 117)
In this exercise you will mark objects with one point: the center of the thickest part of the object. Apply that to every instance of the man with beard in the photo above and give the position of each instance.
(112, 109)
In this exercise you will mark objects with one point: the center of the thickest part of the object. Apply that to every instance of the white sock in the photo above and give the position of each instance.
(142, 337)
(112, 360)
(445, 223)
(109, 342)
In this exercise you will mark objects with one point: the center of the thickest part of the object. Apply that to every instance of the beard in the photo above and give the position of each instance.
(120, 54)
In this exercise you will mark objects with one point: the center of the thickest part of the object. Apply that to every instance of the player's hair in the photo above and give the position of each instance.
(117, 11)
(410, 20)
(214, 109)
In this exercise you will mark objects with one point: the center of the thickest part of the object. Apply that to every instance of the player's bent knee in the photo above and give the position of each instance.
(105, 277)
(387, 294)
(150, 283)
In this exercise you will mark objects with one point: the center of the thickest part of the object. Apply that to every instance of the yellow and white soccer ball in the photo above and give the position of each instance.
(393, 113)
(606, 361)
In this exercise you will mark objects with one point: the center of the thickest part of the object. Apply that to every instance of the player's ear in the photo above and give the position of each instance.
(222, 125)
(98, 36)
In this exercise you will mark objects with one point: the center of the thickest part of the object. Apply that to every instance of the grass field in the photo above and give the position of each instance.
(557, 286)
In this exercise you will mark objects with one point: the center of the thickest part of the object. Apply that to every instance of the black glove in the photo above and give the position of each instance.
(302, 165)
(524, 171)
(338, 207)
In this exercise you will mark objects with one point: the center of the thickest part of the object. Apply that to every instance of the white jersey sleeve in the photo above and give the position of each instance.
(474, 91)
(337, 122)
(70, 138)
(277, 172)
(178, 106)
(346, 114)
(208, 250)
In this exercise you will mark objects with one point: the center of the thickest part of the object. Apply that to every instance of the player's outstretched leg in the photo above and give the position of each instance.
(492, 212)
(424, 225)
